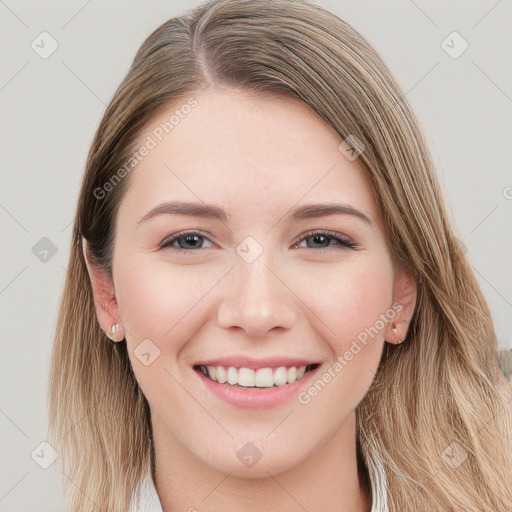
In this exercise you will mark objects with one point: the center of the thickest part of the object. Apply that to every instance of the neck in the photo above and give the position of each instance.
(330, 479)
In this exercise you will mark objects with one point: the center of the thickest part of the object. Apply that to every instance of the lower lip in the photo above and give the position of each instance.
(256, 398)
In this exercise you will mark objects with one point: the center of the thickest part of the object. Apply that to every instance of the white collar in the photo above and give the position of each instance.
(148, 500)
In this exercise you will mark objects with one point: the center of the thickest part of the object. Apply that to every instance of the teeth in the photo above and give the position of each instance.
(220, 374)
(280, 376)
(232, 376)
(246, 377)
(264, 378)
(260, 378)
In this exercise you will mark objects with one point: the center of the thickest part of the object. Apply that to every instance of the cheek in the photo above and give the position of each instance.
(156, 301)
(351, 302)
(352, 305)
(161, 304)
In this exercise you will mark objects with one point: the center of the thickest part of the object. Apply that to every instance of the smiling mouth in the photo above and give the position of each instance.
(250, 378)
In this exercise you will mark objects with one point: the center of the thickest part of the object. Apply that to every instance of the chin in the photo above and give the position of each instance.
(251, 461)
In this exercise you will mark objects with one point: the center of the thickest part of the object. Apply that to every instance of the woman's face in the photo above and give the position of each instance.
(242, 290)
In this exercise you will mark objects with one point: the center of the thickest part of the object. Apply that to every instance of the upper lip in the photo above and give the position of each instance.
(241, 361)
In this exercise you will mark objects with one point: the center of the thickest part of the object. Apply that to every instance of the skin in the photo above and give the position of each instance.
(257, 158)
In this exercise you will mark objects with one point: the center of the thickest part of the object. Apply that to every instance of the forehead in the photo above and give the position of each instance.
(245, 152)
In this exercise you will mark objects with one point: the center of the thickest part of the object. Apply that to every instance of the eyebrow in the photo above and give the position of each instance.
(311, 211)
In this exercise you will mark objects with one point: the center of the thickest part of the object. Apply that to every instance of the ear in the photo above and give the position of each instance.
(105, 301)
(404, 294)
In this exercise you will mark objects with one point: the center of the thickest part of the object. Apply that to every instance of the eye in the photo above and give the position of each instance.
(189, 241)
(192, 240)
(320, 237)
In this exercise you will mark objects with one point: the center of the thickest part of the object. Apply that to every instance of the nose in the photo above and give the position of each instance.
(256, 298)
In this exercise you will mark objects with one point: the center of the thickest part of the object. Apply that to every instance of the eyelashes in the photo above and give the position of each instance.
(191, 236)
(340, 239)
(167, 243)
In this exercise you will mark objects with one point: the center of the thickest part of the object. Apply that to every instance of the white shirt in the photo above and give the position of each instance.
(148, 500)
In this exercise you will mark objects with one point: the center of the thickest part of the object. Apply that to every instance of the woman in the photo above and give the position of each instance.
(266, 307)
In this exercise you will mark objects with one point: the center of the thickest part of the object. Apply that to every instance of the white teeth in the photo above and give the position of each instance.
(264, 378)
(220, 374)
(280, 376)
(261, 378)
(246, 377)
(291, 375)
(232, 376)
(211, 371)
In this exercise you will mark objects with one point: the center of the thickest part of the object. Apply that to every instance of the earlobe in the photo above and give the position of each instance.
(102, 286)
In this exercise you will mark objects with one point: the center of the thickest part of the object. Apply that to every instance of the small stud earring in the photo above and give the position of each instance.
(112, 333)
(395, 331)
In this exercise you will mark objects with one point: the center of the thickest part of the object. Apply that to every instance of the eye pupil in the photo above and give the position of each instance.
(189, 239)
(316, 237)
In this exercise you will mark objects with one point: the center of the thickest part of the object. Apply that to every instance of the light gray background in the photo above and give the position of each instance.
(51, 107)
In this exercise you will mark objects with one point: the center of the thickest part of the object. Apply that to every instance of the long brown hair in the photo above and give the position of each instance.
(436, 394)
